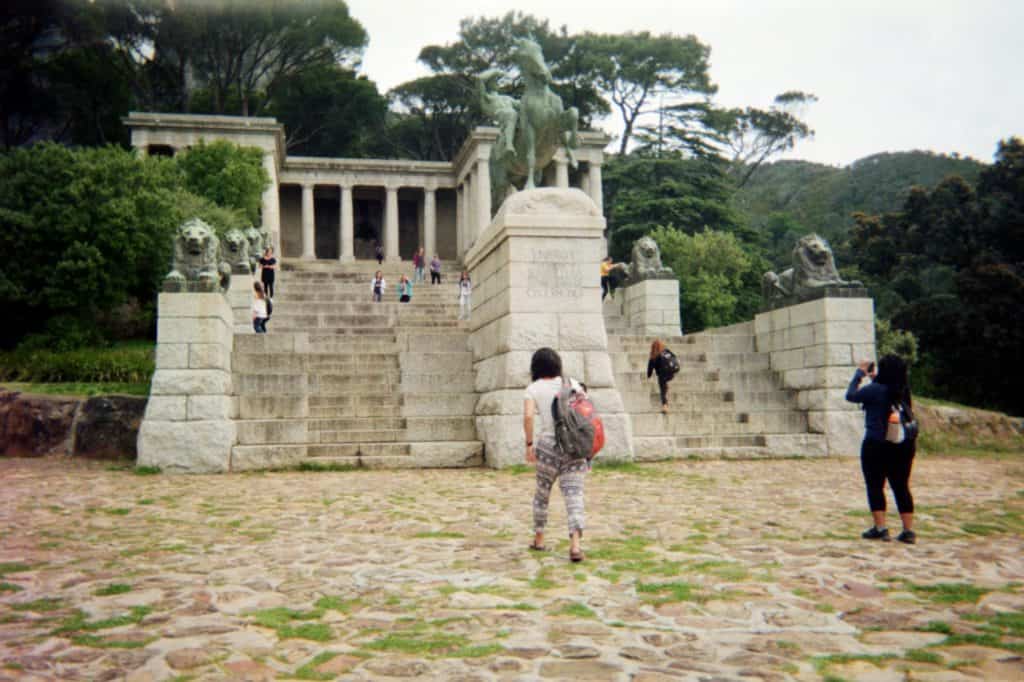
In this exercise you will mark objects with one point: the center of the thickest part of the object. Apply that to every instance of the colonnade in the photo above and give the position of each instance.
(346, 223)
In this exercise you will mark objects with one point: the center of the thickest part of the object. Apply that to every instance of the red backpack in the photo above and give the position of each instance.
(579, 431)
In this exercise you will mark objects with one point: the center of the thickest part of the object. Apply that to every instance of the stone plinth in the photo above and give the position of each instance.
(535, 271)
(188, 425)
(652, 307)
(815, 347)
(240, 296)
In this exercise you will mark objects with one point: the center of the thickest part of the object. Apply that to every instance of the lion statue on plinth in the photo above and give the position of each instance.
(814, 269)
(197, 260)
(647, 262)
(236, 251)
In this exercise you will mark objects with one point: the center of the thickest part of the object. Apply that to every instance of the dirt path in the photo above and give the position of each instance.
(722, 570)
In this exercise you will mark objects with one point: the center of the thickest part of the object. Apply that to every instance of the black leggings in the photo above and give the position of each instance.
(881, 460)
(435, 277)
(268, 287)
(604, 286)
(663, 387)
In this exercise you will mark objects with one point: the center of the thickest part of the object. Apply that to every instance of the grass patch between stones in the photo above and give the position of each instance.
(113, 588)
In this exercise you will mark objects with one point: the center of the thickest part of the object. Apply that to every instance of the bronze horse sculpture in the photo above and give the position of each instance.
(538, 125)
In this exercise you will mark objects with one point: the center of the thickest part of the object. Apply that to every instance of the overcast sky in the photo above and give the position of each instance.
(944, 75)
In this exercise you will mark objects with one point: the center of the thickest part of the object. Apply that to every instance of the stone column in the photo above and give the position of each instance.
(594, 185)
(585, 182)
(482, 184)
(271, 204)
(460, 221)
(561, 170)
(470, 200)
(429, 222)
(391, 225)
(536, 283)
(188, 425)
(308, 223)
(815, 347)
(346, 245)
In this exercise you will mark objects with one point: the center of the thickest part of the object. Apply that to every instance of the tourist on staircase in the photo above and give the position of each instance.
(882, 456)
(417, 263)
(435, 270)
(268, 264)
(377, 285)
(551, 462)
(404, 290)
(379, 251)
(260, 311)
(664, 363)
(465, 296)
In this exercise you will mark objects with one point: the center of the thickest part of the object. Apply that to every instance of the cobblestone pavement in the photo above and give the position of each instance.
(698, 570)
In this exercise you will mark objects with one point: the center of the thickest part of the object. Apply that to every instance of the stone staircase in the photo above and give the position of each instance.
(725, 402)
(344, 381)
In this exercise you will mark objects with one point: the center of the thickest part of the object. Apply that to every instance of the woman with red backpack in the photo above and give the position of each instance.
(664, 363)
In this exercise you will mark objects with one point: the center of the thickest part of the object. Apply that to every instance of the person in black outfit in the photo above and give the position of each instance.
(268, 264)
(658, 363)
(881, 460)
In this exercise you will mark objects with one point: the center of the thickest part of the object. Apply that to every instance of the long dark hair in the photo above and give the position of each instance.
(892, 373)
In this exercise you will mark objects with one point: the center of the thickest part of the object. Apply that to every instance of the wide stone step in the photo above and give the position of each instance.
(283, 363)
(357, 423)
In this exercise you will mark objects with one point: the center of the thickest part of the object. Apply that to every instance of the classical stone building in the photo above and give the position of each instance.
(336, 209)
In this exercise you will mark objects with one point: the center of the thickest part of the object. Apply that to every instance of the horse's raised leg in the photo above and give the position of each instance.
(529, 140)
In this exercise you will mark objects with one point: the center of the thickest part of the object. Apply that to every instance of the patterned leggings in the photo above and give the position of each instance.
(552, 464)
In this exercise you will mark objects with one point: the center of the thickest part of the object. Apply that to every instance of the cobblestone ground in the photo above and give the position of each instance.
(720, 570)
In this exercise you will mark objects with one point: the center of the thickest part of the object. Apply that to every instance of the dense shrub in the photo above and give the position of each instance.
(85, 231)
(128, 363)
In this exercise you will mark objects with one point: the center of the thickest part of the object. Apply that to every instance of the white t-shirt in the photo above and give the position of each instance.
(543, 392)
(259, 307)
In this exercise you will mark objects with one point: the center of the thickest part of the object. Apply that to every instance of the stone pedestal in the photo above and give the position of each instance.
(652, 307)
(536, 283)
(188, 425)
(240, 296)
(815, 347)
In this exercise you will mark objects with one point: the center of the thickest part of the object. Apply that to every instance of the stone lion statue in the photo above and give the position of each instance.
(257, 242)
(236, 250)
(647, 262)
(814, 268)
(197, 260)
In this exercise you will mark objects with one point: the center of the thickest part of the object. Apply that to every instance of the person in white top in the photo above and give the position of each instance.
(551, 463)
(465, 296)
(259, 309)
(377, 285)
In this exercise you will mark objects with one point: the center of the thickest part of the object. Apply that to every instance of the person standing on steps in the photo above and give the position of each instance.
(377, 285)
(435, 270)
(418, 259)
(880, 459)
(606, 269)
(268, 264)
(404, 290)
(550, 461)
(665, 364)
(465, 296)
(378, 251)
(260, 313)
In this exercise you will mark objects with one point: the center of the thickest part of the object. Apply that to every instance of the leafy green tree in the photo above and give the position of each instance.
(714, 272)
(642, 192)
(637, 69)
(227, 175)
(328, 110)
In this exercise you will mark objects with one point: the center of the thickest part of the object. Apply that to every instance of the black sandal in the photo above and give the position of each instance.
(537, 548)
(576, 557)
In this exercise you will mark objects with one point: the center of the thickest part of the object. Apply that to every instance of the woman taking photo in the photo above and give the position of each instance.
(880, 459)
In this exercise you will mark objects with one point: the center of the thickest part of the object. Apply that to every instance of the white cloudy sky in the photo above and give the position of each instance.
(944, 75)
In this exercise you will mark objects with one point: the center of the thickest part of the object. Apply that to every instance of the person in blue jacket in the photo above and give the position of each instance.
(881, 460)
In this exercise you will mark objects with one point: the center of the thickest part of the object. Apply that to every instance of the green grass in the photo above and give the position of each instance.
(13, 567)
(78, 389)
(949, 593)
(439, 534)
(517, 469)
(113, 588)
(822, 663)
(937, 626)
(318, 467)
(124, 363)
(576, 610)
(677, 591)
(10, 587)
(309, 672)
(146, 471)
(44, 605)
(418, 643)
(78, 622)
(98, 642)
(287, 623)
(923, 656)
